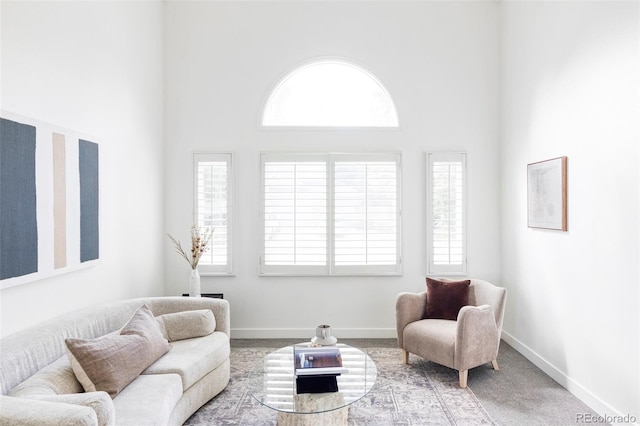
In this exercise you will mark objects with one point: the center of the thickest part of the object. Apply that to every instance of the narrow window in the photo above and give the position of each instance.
(446, 213)
(213, 207)
(330, 93)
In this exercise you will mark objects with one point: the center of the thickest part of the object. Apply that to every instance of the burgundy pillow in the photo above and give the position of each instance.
(446, 298)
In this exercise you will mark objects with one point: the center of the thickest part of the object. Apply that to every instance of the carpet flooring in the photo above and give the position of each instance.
(421, 393)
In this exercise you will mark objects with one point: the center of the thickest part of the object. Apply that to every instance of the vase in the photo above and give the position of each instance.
(194, 283)
(323, 336)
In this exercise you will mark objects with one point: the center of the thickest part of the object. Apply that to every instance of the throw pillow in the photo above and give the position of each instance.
(187, 324)
(446, 298)
(109, 363)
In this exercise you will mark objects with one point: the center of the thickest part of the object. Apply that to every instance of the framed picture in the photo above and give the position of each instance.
(547, 194)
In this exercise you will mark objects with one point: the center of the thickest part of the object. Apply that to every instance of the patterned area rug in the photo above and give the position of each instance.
(421, 393)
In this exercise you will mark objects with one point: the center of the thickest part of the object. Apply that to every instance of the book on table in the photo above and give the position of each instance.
(316, 361)
(316, 369)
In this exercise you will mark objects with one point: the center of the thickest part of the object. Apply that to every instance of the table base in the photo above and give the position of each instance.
(316, 403)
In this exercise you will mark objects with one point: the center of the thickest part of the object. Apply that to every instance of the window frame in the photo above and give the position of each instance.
(432, 267)
(227, 157)
(330, 269)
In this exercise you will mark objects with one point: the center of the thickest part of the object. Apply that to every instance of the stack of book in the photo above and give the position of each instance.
(316, 368)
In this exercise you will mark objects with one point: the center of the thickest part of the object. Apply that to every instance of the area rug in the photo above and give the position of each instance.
(420, 393)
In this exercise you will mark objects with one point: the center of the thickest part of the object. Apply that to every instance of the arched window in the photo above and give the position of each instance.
(330, 93)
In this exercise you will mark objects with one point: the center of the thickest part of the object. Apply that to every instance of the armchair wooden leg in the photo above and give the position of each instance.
(405, 357)
(463, 378)
(494, 363)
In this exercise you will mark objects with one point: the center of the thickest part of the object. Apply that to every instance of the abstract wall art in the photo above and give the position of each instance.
(49, 200)
(547, 194)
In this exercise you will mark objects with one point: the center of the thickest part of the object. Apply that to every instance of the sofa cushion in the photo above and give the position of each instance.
(446, 298)
(56, 378)
(111, 362)
(148, 400)
(100, 402)
(192, 359)
(187, 324)
(25, 411)
(434, 339)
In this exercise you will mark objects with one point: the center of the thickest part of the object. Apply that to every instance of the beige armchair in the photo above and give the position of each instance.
(471, 340)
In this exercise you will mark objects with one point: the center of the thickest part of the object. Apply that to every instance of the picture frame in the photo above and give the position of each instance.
(547, 194)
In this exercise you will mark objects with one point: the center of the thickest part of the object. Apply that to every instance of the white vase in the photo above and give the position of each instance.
(194, 283)
(323, 336)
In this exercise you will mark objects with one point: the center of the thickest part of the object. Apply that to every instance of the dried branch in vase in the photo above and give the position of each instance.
(199, 245)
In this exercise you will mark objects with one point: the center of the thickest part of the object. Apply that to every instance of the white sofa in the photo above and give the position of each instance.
(39, 386)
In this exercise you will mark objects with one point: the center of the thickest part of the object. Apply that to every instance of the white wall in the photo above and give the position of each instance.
(571, 80)
(439, 61)
(95, 68)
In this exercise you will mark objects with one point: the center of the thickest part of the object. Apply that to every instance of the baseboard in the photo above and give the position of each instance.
(596, 404)
(308, 333)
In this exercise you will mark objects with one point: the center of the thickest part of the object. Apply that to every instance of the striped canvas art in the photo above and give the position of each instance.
(49, 200)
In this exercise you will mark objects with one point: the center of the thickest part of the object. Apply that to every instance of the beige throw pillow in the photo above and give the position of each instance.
(187, 324)
(109, 363)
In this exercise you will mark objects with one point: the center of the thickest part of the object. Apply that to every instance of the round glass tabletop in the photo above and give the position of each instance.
(272, 382)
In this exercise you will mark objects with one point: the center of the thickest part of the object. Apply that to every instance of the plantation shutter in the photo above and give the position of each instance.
(331, 214)
(212, 209)
(366, 213)
(446, 201)
(295, 214)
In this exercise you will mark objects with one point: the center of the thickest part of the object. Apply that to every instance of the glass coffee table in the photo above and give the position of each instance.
(272, 382)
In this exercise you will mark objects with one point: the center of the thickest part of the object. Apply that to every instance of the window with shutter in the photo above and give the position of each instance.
(213, 202)
(331, 214)
(446, 213)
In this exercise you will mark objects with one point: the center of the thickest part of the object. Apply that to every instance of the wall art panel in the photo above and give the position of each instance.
(89, 203)
(18, 219)
(59, 202)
